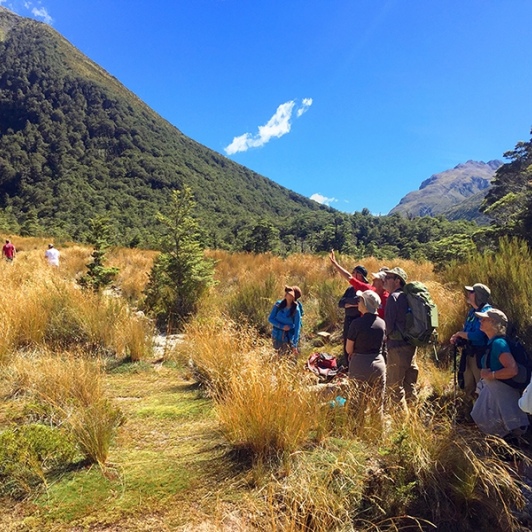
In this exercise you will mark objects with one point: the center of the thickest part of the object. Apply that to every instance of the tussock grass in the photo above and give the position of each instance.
(322, 490)
(314, 467)
(44, 308)
(424, 472)
(506, 273)
(218, 348)
(266, 412)
(134, 266)
(72, 393)
(249, 284)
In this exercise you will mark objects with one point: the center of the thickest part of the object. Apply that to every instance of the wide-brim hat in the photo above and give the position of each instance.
(481, 291)
(399, 272)
(498, 316)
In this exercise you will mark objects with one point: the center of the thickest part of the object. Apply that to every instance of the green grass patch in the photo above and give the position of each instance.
(77, 495)
(169, 406)
(105, 497)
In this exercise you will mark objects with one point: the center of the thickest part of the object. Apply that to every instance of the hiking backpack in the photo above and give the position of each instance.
(422, 315)
(523, 360)
(323, 365)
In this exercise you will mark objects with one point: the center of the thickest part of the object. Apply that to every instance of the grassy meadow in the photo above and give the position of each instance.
(100, 431)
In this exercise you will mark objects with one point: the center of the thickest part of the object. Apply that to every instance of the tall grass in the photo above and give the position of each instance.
(71, 390)
(506, 272)
(266, 412)
(43, 306)
(422, 474)
(218, 348)
(249, 284)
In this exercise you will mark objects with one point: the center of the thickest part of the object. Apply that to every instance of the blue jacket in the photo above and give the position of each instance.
(279, 317)
(472, 327)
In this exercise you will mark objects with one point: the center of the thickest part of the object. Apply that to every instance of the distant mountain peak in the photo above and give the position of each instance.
(447, 189)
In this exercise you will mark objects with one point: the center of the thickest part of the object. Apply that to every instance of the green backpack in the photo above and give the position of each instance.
(422, 316)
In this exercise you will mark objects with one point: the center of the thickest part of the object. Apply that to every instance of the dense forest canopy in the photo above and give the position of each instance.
(74, 143)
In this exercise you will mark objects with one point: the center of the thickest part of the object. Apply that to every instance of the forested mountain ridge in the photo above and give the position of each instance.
(75, 143)
(456, 193)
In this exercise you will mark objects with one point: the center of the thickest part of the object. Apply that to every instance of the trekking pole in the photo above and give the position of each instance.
(455, 380)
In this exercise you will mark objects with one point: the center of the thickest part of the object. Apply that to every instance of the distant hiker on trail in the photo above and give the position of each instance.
(349, 301)
(286, 320)
(8, 251)
(364, 346)
(496, 411)
(402, 370)
(52, 255)
(472, 340)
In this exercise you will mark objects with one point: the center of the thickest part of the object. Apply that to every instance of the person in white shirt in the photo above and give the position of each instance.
(52, 255)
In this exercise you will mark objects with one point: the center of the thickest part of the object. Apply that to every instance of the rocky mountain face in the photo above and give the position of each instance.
(456, 193)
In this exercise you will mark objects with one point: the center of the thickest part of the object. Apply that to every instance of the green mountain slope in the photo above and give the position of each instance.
(75, 143)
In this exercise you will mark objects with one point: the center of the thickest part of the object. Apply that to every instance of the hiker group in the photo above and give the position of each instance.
(385, 321)
(493, 370)
(380, 342)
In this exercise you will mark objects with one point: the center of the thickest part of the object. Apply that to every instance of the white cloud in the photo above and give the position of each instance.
(42, 13)
(37, 9)
(323, 200)
(307, 102)
(278, 125)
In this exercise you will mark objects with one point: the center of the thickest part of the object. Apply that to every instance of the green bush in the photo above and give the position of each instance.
(28, 453)
(181, 274)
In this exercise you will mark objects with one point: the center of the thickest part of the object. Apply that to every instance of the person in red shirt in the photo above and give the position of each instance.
(8, 251)
(360, 282)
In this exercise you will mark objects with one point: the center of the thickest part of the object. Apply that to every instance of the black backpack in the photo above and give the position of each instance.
(523, 360)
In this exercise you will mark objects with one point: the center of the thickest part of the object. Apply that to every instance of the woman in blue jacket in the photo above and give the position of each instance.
(286, 320)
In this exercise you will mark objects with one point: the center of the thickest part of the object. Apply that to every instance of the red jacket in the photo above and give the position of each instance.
(359, 285)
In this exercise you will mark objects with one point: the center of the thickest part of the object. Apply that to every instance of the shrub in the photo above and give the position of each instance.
(28, 453)
(72, 393)
(99, 276)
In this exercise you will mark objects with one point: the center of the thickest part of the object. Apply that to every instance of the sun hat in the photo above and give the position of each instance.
(399, 272)
(481, 291)
(294, 290)
(371, 299)
(498, 316)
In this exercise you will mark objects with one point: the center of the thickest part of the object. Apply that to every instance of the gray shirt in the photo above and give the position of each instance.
(395, 318)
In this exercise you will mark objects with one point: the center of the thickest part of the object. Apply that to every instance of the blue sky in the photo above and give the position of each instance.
(352, 102)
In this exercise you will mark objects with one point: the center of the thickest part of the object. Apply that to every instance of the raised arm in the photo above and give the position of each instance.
(343, 271)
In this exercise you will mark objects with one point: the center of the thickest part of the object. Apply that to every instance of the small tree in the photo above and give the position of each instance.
(98, 275)
(180, 275)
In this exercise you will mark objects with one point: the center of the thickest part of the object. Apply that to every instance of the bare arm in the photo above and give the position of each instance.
(349, 348)
(343, 271)
(507, 372)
